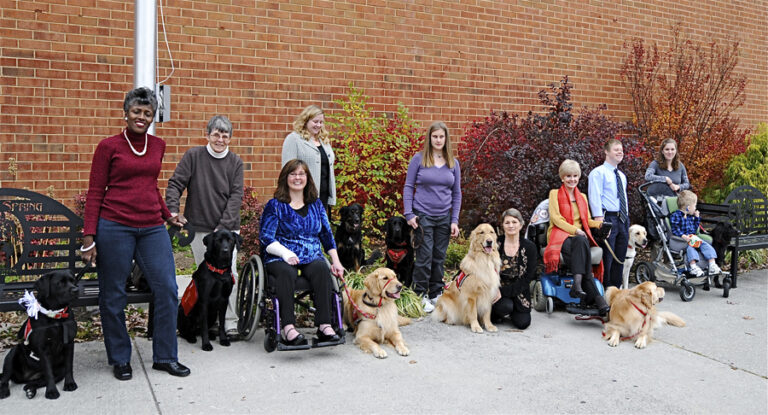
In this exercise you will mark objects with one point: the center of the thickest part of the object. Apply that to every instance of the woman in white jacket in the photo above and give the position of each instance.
(309, 143)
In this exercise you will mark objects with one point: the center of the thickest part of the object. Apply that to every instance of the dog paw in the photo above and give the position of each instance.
(641, 343)
(4, 391)
(52, 393)
(476, 328)
(403, 351)
(613, 342)
(380, 353)
(207, 347)
(70, 386)
(224, 342)
(30, 391)
(491, 328)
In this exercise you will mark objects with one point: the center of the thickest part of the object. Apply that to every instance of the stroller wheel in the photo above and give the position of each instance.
(726, 287)
(687, 290)
(644, 272)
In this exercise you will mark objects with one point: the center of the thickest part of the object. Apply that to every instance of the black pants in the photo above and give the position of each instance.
(618, 240)
(319, 276)
(506, 307)
(575, 251)
(431, 243)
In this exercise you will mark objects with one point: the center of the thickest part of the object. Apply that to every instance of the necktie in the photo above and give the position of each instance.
(622, 200)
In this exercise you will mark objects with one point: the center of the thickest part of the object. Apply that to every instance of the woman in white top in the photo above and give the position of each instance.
(309, 143)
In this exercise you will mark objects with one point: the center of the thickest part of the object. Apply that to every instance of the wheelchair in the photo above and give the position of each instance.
(554, 287)
(257, 303)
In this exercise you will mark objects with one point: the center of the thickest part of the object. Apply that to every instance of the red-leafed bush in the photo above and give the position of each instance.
(511, 161)
(688, 92)
(250, 220)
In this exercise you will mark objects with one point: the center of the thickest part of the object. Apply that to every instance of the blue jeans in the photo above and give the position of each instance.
(117, 245)
(431, 243)
(706, 251)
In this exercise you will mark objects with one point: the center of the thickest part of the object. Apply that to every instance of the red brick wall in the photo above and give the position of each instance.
(66, 65)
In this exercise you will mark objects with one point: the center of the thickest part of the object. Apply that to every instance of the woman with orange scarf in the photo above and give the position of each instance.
(569, 234)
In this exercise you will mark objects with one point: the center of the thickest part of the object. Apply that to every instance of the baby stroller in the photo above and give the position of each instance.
(669, 261)
(554, 287)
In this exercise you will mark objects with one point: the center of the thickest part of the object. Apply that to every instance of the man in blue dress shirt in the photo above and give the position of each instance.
(608, 202)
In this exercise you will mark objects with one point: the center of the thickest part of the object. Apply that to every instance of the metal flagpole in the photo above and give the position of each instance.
(145, 46)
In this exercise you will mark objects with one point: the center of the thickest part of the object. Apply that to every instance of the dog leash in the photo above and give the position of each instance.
(349, 297)
(607, 245)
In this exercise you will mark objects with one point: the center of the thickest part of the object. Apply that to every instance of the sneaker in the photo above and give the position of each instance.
(696, 271)
(427, 305)
(714, 269)
(434, 300)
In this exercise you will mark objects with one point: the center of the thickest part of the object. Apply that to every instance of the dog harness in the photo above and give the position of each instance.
(189, 299)
(459, 280)
(357, 313)
(644, 313)
(396, 255)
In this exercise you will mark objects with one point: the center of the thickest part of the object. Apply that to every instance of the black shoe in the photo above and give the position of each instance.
(706, 286)
(717, 282)
(174, 368)
(299, 340)
(603, 311)
(123, 372)
(323, 338)
(576, 291)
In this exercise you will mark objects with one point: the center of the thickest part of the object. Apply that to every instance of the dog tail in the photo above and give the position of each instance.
(666, 317)
(375, 256)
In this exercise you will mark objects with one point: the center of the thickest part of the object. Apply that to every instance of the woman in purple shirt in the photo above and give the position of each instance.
(432, 199)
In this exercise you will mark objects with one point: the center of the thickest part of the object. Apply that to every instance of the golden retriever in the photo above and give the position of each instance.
(377, 321)
(634, 315)
(638, 239)
(469, 300)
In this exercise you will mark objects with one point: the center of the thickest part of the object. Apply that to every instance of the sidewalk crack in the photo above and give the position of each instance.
(146, 376)
(713, 359)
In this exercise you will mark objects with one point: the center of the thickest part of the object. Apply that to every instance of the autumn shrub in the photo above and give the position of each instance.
(250, 220)
(689, 92)
(372, 154)
(513, 161)
(749, 168)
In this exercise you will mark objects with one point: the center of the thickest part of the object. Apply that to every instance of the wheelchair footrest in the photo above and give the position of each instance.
(316, 343)
(284, 347)
(575, 308)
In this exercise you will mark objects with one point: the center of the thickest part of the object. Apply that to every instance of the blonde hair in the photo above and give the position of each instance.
(300, 123)
(686, 198)
(426, 153)
(569, 166)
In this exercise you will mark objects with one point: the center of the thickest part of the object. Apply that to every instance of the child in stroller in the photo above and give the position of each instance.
(685, 223)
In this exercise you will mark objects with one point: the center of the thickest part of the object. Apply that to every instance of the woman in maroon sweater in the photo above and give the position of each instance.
(124, 221)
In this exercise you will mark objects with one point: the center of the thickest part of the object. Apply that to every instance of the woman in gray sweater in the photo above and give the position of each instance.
(667, 172)
(309, 143)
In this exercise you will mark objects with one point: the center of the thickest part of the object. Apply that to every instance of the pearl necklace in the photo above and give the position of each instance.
(131, 145)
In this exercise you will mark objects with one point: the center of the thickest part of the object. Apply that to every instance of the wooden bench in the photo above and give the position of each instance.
(746, 208)
(39, 234)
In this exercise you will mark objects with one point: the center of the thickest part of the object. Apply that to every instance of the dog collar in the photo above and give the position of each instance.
(214, 269)
(34, 307)
(381, 297)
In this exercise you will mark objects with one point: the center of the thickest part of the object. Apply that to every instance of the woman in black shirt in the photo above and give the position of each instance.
(518, 269)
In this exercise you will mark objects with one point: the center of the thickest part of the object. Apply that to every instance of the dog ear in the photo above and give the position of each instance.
(43, 286)
(371, 283)
(647, 297)
(207, 239)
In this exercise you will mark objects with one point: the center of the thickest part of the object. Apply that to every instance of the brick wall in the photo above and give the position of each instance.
(66, 65)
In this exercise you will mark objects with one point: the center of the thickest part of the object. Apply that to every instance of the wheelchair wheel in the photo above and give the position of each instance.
(250, 297)
(550, 305)
(644, 272)
(539, 301)
(687, 290)
(726, 287)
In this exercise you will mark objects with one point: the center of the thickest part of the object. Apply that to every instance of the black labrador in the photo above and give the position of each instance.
(399, 248)
(205, 299)
(722, 234)
(45, 356)
(349, 239)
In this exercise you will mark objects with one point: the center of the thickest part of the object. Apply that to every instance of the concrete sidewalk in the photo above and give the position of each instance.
(717, 364)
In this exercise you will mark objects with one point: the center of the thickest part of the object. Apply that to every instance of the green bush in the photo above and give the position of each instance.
(372, 156)
(457, 249)
(409, 303)
(749, 168)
